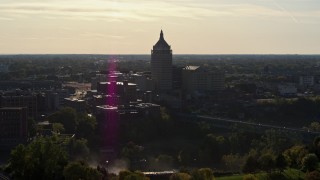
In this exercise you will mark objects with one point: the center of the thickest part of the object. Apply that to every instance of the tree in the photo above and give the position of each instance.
(86, 126)
(67, 117)
(123, 174)
(249, 177)
(69, 121)
(250, 165)
(186, 156)
(180, 176)
(128, 175)
(162, 162)
(78, 148)
(44, 158)
(276, 175)
(203, 174)
(316, 141)
(58, 128)
(266, 162)
(316, 145)
(233, 162)
(32, 130)
(314, 175)
(314, 126)
(17, 161)
(295, 155)
(212, 149)
(80, 170)
(275, 141)
(164, 114)
(310, 162)
(132, 151)
(239, 137)
(281, 162)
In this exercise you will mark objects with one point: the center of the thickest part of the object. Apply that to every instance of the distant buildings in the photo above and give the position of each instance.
(29, 84)
(161, 65)
(51, 100)
(98, 78)
(37, 102)
(4, 68)
(306, 81)
(287, 90)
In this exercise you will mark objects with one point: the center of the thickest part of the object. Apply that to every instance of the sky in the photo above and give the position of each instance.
(133, 26)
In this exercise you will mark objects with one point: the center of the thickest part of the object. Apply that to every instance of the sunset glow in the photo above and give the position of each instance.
(201, 27)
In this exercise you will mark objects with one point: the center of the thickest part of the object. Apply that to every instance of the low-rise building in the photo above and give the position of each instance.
(287, 90)
(306, 81)
(149, 110)
(112, 100)
(127, 91)
(77, 104)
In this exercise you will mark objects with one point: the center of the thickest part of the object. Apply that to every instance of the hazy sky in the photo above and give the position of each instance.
(133, 26)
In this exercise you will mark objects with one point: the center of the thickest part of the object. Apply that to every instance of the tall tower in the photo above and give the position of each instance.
(161, 64)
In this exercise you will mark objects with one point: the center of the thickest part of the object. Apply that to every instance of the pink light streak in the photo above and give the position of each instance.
(112, 117)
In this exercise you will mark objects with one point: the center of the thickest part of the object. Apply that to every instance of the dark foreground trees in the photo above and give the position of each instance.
(310, 162)
(196, 174)
(44, 158)
(81, 170)
(48, 158)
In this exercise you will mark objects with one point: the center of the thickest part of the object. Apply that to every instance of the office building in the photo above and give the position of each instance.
(161, 65)
(13, 126)
(28, 101)
(200, 79)
(127, 91)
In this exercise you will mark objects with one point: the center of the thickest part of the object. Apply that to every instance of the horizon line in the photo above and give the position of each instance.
(19, 54)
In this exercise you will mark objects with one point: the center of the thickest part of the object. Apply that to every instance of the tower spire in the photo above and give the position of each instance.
(161, 34)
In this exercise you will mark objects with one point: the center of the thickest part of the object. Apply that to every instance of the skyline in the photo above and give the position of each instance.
(190, 27)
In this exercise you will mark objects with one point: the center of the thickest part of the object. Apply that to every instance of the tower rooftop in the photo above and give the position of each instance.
(161, 43)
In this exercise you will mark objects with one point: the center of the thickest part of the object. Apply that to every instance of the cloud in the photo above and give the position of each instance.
(143, 10)
(99, 35)
(6, 19)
